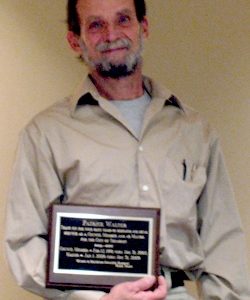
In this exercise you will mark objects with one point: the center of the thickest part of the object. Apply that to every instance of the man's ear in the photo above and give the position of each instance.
(145, 27)
(74, 42)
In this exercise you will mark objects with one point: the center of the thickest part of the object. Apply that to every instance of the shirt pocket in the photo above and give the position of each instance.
(182, 185)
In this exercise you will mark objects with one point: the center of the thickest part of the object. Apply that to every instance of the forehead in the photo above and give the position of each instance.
(103, 8)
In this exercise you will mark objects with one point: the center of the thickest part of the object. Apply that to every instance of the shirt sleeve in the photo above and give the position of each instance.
(225, 273)
(35, 185)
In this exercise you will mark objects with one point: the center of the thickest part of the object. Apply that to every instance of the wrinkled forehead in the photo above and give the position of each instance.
(104, 9)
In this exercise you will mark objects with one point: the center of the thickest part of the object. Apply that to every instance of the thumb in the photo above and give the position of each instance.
(143, 284)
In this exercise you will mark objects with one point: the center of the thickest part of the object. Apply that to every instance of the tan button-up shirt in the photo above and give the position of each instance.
(82, 150)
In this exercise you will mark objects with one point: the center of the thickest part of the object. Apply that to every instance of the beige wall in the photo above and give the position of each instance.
(199, 48)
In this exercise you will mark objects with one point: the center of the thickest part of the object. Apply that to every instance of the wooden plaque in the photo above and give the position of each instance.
(96, 247)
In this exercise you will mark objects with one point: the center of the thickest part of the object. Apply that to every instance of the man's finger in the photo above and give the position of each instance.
(161, 291)
(143, 284)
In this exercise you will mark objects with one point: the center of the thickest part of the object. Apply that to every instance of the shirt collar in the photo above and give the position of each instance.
(87, 94)
(161, 93)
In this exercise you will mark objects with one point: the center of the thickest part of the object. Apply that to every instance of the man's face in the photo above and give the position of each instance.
(111, 37)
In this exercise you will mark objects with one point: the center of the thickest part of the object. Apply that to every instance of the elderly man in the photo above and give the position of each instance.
(122, 139)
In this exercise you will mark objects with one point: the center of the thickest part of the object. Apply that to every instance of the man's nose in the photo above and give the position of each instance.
(111, 32)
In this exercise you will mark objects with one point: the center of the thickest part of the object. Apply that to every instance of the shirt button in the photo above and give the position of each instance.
(141, 149)
(145, 188)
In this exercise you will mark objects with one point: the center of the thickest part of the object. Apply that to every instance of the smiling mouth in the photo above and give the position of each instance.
(114, 50)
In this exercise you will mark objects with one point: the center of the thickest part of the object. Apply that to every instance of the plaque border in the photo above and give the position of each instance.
(98, 282)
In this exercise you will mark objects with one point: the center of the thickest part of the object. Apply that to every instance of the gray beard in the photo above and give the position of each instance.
(109, 69)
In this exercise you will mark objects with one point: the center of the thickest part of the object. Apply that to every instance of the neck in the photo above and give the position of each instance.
(125, 88)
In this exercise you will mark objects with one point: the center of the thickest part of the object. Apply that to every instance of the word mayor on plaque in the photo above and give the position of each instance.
(96, 247)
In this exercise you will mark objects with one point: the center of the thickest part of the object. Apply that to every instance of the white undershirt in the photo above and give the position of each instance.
(134, 110)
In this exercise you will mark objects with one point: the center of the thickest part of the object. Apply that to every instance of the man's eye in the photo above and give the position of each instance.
(95, 25)
(124, 20)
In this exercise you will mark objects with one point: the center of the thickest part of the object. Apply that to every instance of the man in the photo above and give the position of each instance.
(122, 139)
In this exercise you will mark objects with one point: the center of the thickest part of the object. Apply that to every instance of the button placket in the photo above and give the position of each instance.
(143, 186)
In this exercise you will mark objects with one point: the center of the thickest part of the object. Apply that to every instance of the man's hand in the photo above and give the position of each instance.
(139, 290)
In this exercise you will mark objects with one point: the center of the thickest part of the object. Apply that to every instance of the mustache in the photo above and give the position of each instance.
(120, 43)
